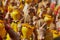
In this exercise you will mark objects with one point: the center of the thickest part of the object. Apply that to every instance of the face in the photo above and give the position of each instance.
(40, 5)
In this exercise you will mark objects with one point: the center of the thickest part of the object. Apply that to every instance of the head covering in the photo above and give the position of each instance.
(56, 9)
(27, 25)
(47, 18)
(28, 1)
(15, 14)
(10, 7)
(52, 5)
(21, 6)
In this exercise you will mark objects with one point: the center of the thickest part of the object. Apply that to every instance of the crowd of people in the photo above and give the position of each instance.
(29, 20)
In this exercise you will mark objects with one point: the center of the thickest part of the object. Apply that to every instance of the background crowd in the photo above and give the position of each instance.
(29, 20)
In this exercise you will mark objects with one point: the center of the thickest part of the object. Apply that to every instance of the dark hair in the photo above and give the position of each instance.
(48, 4)
(45, 0)
(32, 11)
(13, 3)
(1, 3)
(23, 2)
(1, 16)
(39, 1)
